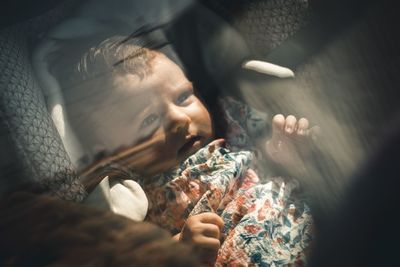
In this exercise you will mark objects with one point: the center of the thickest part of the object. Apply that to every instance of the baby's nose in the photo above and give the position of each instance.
(178, 121)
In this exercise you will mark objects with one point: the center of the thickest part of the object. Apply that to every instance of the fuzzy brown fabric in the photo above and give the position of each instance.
(45, 231)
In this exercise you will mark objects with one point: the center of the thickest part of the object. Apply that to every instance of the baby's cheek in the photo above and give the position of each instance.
(206, 124)
(201, 111)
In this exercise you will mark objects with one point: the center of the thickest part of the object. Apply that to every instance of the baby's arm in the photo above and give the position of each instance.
(204, 231)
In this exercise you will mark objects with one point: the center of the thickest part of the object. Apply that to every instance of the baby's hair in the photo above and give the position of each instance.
(92, 73)
(116, 55)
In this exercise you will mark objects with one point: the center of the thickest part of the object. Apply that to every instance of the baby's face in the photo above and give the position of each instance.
(159, 118)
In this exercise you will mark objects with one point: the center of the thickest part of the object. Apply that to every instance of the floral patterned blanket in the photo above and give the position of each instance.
(265, 224)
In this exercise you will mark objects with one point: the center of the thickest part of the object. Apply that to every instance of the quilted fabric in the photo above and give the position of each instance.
(264, 24)
(22, 109)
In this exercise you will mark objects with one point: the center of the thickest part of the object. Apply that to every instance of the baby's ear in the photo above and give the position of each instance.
(268, 68)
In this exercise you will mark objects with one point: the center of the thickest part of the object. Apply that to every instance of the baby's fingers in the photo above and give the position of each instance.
(302, 127)
(290, 124)
(207, 242)
(211, 230)
(278, 124)
(211, 218)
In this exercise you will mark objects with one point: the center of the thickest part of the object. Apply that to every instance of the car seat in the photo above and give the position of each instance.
(32, 151)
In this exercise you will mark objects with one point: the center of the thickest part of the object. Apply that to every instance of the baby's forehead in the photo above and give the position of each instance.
(125, 80)
(159, 71)
(132, 86)
(128, 88)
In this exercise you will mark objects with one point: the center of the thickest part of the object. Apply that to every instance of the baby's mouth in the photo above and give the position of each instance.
(187, 147)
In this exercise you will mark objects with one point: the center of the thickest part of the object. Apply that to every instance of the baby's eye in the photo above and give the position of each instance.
(183, 97)
(149, 120)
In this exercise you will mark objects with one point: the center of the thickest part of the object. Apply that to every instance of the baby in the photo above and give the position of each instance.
(142, 112)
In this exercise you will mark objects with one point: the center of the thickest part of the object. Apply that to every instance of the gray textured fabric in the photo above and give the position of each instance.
(38, 149)
(264, 24)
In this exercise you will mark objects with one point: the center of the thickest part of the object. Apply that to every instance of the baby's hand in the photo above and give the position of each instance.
(204, 231)
(291, 142)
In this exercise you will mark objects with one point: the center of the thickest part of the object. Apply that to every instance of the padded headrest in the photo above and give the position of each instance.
(38, 153)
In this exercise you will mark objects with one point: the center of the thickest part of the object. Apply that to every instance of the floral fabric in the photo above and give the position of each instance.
(247, 129)
(265, 224)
